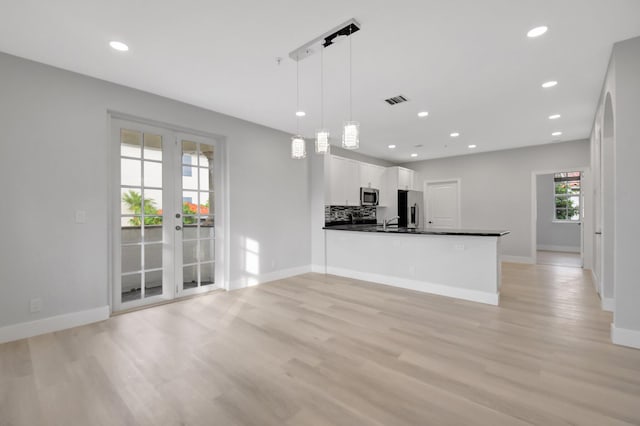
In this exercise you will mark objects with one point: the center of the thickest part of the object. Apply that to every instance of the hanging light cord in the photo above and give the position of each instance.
(350, 78)
(321, 87)
(297, 94)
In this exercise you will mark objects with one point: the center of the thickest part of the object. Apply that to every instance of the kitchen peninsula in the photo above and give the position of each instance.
(459, 263)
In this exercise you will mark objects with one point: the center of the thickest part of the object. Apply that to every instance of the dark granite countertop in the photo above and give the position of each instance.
(419, 231)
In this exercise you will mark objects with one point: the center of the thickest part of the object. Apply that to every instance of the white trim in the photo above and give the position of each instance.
(425, 287)
(625, 337)
(517, 259)
(320, 269)
(585, 223)
(24, 330)
(565, 249)
(608, 304)
(253, 280)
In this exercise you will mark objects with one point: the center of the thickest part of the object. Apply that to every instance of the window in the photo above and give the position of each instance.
(567, 196)
(186, 168)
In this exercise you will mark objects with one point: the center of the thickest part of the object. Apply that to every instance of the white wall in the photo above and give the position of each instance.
(496, 187)
(59, 121)
(627, 177)
(552, 235)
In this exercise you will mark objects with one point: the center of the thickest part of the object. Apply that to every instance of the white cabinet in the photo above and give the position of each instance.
(405, 178)
(344, 182)
(395, 178)
(371, 176)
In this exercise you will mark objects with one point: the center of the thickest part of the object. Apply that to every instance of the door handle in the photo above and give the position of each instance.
(598, 233)
(178, 228)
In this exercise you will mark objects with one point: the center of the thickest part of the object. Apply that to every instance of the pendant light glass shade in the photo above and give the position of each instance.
(351, 135)
(322, 142)
(298, 148)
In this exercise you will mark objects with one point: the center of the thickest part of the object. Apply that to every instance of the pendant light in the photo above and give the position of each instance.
(322, 135)
(298, 145)
(351, 131)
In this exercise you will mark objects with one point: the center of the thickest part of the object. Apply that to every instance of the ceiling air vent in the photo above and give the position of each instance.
(396, 100)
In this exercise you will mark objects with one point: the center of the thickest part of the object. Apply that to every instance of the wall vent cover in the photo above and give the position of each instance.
(396, 100)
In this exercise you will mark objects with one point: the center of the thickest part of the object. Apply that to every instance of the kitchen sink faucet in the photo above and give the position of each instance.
(386, 222)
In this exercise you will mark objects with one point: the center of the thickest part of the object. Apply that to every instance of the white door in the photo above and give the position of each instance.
(442, 204)
(163, 208)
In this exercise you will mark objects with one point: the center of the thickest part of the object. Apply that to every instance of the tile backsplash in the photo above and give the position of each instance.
(349, 214)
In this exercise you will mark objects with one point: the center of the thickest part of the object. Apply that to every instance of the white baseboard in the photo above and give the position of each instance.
(607, 304)
(517, 259)
(253, 280)
(320, 269)
(426, 287)
(47, 325)
(625, 337)
(594, 280)
(565, 249)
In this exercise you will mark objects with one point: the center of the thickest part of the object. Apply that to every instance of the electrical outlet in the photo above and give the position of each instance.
(459, 246)
(35, 305)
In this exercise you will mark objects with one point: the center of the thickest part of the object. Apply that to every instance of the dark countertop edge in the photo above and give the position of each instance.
(460, 232)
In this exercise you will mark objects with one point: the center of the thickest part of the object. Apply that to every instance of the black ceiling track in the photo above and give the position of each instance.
(346, 31)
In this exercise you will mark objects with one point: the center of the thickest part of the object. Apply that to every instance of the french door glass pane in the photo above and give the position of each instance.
(152, 147)
(197, 206)
(130, 172)
(152, 256)
(207, 273)
(141, 221)
(131, 259)
(190, 277)
(152, 283)
(152, 174)
(131, 287)
(130, 143)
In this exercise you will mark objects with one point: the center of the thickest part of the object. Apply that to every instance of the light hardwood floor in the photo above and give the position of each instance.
(559, 258)
(324, 350)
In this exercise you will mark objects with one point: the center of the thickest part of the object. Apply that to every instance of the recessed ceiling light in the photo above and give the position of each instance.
(423, 114)
(556, 134)
(414, 155)
(554, 116)
(301, 113)
(392, 147)
(454, 134)
(549, 84)
(537, 31)
(119, 46)
(473, 146)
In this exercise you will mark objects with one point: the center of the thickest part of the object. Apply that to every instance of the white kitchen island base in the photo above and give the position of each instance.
(461, 266)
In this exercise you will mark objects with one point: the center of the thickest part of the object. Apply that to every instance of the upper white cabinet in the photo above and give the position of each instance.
(344, 182)
(371, 176)
(346, 176)
(395, 178)
(405, 178)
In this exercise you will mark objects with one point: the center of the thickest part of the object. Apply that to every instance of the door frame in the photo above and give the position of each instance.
(426, 197)
(113, 183)
(586, 222)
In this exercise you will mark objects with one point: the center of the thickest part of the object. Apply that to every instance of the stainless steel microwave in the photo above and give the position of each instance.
(369, 196)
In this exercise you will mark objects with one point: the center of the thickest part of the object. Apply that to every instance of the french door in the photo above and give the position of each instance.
(164, 205)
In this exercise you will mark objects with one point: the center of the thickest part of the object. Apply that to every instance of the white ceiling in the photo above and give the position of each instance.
(467, 62)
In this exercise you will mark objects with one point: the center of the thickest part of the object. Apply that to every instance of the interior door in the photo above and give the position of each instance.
(164, 207)
(442, 204)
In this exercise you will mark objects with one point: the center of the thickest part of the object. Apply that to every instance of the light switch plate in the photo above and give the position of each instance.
(81, 216)
(35, 305)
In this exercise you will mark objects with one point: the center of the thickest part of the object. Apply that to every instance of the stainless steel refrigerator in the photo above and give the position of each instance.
(410, 209)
